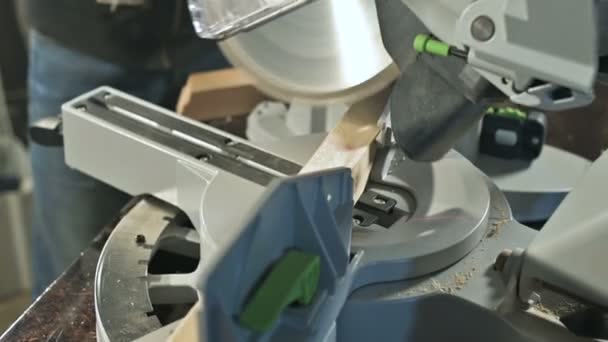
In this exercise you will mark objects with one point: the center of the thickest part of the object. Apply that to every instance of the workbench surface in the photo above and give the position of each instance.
(66, 310)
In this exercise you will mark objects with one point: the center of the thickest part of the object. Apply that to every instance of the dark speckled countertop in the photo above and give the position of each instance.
(583, 131)
(65, 311)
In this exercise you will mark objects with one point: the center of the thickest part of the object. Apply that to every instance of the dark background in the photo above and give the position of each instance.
(13, 61)
(583, 131)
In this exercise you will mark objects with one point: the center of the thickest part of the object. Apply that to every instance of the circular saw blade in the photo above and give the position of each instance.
(327, 52)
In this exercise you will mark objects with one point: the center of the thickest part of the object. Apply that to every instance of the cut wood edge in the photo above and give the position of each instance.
(351, 143)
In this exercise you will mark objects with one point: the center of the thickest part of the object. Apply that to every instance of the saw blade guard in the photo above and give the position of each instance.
(219, 19)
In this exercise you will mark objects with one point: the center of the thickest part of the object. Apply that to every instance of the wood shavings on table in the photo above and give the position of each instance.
(498, 223)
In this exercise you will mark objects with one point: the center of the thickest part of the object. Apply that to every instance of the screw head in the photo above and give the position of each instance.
(140, 239)
(380, 201)
(534, 299)
(482, 28)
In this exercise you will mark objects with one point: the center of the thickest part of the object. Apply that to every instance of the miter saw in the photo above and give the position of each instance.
(342, 58)
(430, 251)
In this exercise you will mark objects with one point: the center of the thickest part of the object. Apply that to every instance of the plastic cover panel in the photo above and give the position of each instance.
(311, 213)
(570, 251)
(218, 19)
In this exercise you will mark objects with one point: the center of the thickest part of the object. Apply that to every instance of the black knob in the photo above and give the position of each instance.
(47, 131)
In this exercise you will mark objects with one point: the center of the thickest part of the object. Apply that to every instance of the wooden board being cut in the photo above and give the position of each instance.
(219, 94)
(351, 143)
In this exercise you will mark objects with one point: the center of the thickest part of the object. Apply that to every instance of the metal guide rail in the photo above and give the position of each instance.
(198, 141)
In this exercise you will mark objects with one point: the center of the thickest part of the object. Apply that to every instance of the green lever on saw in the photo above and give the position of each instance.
(424, 43)
(509, 112)
(294, 278)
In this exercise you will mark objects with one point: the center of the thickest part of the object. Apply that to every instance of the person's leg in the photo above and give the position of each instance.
(70, 208)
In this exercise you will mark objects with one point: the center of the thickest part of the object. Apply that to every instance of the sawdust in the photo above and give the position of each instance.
(437, 286)
(496, 228)
(499, 223)
(417, 291)
(568, 307)
(434, 287)
(455, 283)
(544, 309)
(562, 309)
(460, 279)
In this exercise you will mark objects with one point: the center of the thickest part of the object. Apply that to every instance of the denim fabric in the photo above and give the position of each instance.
(70, 208)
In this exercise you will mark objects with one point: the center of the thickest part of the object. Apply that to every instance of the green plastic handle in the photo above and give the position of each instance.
(425, 44)
(508, 112)
(294, 278)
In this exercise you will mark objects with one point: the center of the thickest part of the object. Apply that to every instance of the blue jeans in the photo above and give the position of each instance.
(70, 208)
